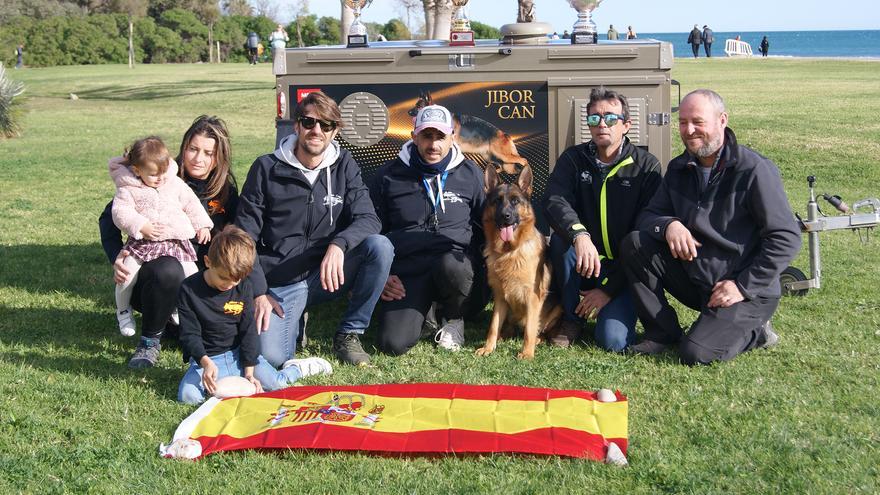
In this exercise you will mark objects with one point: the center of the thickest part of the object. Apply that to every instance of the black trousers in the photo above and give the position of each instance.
(708, 48)
(454, 281)
(696, 49)
(155, 294)
(719, 334)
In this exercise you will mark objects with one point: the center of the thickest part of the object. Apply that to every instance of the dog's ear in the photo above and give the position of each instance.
(491, 179)
(524, 181)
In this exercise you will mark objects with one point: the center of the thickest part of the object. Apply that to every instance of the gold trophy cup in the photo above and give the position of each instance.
(461, 33)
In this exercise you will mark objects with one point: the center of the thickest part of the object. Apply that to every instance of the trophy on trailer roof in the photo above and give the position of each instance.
(357, 33)
(526, 30)
(584, 30)
(461, 33)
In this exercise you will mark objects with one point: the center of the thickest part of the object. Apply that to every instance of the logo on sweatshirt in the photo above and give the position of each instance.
(451, 197)
(587, 177)
(216, 207)
(333, 200)
(233, 308)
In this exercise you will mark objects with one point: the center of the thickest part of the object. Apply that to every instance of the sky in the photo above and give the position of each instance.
(654, 16)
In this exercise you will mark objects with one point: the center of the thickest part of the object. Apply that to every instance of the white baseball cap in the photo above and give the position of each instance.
(436, 117)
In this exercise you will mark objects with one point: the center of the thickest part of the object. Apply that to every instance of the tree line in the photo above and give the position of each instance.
(78, 32)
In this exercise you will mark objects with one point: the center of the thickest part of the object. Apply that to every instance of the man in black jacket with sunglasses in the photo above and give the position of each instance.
(716, 236)
(317, 235)
(596, 191)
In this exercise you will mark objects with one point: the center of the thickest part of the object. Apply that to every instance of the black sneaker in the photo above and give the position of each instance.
(348, 349)
(146, 355)
(647, 348)
(768, 338)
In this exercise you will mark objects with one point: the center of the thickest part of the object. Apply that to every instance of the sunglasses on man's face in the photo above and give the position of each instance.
(609, 118)
(311, 122)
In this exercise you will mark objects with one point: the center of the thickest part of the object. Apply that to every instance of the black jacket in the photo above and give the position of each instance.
(708, 36)
(743, 220)
(291, 220)
(695, 38)
(574, 196)
(403, 207)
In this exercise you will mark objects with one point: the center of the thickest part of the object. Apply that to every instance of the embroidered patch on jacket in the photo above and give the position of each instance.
(586, 177)
(334, 200)
(451, 197)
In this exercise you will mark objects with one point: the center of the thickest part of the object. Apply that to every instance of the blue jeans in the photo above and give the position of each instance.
(616, 323)
(192, 391)
(366, 270)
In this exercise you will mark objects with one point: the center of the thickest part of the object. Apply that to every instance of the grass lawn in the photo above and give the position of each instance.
(802, 417)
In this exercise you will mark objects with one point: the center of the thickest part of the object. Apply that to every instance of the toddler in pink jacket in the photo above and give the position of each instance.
(158, 211)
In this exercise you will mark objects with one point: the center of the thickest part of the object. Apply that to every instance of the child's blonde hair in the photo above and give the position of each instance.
(149, 151)
(233, 251)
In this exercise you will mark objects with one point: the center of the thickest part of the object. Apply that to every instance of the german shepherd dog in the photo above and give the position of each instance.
(479, 137)
(518, 272)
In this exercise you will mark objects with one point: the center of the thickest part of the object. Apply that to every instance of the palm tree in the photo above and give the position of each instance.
(347, 18)
(442, 19)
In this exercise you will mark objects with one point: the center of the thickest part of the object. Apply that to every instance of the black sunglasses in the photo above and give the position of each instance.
(609, 118)
(311, 122)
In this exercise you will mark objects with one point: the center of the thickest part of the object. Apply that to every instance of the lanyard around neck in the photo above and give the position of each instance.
(436, 200)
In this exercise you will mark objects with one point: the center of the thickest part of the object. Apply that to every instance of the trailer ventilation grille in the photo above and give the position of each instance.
(366, 119)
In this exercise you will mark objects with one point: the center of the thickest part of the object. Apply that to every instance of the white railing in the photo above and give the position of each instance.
(737, 48)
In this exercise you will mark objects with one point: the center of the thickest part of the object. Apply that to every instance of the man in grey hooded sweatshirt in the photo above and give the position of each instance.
(317, 234)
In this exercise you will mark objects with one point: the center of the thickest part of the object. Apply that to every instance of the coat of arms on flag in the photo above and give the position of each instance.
(415, 419)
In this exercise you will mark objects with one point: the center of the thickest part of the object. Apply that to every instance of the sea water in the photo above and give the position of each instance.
(858, 44)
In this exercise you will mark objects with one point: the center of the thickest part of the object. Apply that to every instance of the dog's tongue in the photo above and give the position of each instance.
(506, 233)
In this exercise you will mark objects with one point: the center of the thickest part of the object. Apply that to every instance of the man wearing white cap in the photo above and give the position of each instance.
(430, 202)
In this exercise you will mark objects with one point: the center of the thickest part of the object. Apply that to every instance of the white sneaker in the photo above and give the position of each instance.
(451, 335)
(310, 366)
(126, 322)
(175, 318)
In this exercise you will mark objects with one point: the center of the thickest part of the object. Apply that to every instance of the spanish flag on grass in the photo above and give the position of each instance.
(414, 419)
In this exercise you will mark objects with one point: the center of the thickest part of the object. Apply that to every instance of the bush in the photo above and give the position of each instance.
(10, 105)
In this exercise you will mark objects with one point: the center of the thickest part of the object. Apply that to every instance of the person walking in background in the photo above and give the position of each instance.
(278, 40)
(708, 38)
(612, 33)
(253, 44)
(694, 39)
(19, 55)
(566, 35)
(631, 33)
(765, 47)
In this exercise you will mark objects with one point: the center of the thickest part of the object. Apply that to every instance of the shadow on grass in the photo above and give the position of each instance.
(84, 343)
(81, 270)
(126, 92)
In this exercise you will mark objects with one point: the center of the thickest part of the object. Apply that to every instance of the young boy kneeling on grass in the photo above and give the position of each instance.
(217, 326)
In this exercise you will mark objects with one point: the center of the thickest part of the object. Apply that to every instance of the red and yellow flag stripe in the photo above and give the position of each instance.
(417, 419)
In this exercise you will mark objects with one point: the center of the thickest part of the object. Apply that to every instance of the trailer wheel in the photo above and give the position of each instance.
(789, 275)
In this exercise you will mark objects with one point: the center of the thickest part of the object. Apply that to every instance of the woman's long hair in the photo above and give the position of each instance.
(221, 175)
